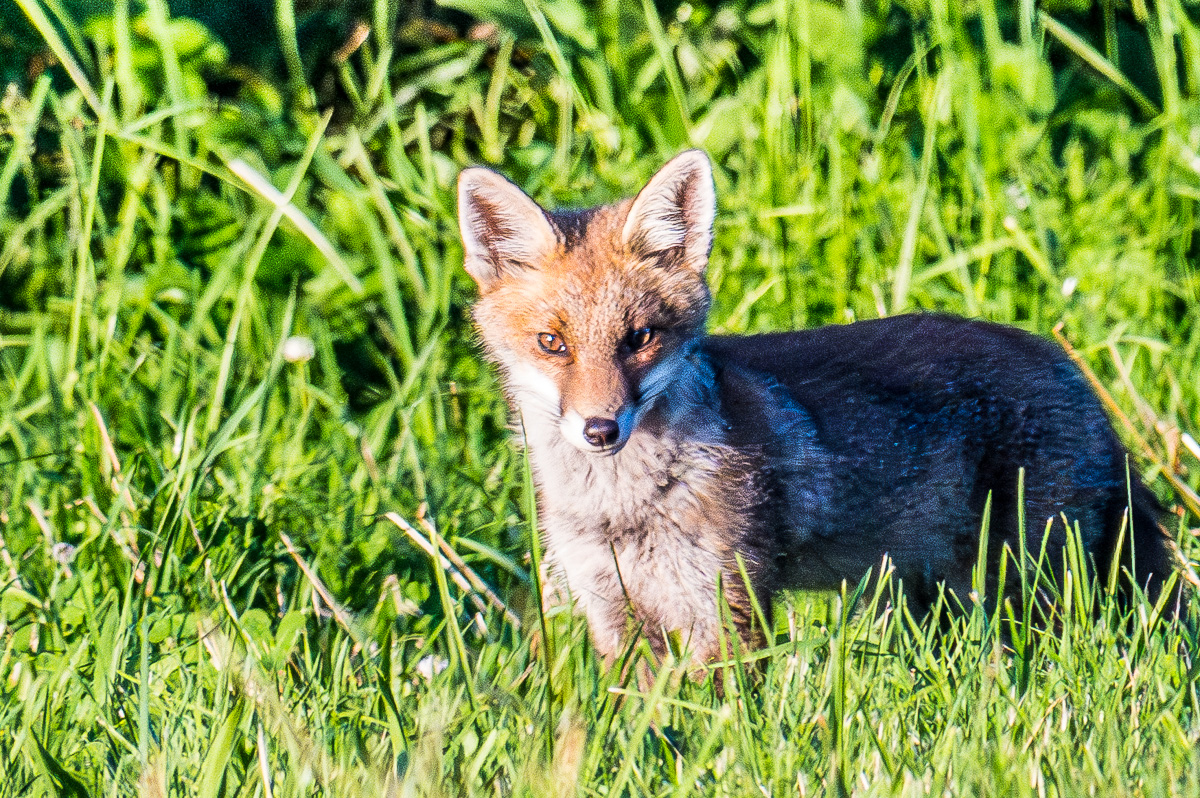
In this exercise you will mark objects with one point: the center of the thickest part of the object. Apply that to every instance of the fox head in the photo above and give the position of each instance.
(588, 314)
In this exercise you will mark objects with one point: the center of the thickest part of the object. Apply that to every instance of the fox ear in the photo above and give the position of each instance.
(675, 211)
(501, 226)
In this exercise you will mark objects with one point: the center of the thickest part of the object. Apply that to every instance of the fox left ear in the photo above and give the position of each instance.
(502, 228)
(675, 211)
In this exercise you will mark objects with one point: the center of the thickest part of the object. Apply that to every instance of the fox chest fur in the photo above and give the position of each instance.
(643, 538)
(668, 463)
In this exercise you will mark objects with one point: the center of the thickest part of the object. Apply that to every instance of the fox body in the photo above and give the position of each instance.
(662, 456)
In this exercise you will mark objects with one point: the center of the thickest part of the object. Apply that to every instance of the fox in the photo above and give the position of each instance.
(684, 479)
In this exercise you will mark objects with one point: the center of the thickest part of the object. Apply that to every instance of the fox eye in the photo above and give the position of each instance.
(551, 344)
(639, 338)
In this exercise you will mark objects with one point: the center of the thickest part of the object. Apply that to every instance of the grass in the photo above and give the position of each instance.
(216, 569)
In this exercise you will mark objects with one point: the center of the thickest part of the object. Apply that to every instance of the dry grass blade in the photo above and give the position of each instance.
(448, 560)
(1188, 495)
(339, 612)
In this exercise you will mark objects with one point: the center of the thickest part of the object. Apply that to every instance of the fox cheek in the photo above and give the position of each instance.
(534, 390)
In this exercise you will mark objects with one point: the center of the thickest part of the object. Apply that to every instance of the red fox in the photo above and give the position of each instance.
(661, 454)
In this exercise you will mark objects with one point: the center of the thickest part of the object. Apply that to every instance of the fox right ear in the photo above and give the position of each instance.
(675, 211)
(501, 226)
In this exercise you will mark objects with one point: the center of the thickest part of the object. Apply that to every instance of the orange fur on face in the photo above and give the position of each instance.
(592, 291)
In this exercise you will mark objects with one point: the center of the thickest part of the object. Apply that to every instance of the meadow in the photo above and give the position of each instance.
(263, 529)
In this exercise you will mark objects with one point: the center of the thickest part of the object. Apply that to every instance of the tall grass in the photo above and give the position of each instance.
(217, 568)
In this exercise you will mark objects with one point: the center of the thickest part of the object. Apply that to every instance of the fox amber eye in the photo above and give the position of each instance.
(551, 344)
(639, 338)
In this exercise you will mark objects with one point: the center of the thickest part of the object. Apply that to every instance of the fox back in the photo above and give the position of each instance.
(667, 460)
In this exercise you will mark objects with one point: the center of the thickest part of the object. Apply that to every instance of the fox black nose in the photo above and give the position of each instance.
(601, 431)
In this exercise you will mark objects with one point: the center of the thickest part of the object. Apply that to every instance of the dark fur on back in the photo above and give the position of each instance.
(917, 419)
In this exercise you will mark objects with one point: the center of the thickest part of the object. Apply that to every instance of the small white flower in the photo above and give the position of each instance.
(1069, 286)
(1017, 196)
(63, 553)
(174, 296)
(299, 349)
(429, 665)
